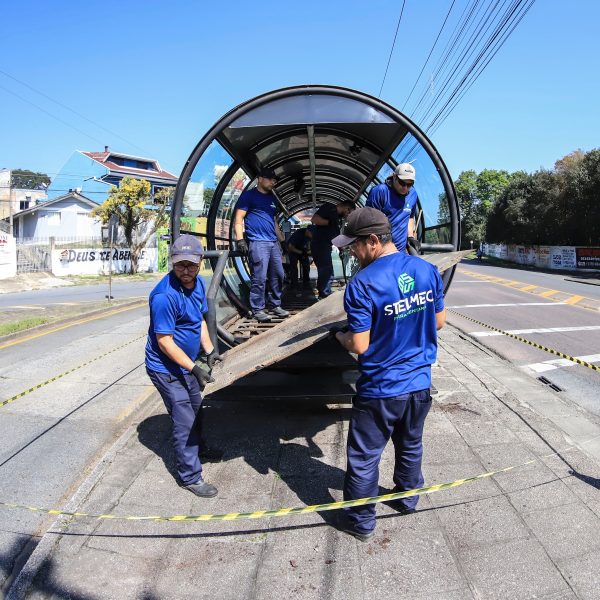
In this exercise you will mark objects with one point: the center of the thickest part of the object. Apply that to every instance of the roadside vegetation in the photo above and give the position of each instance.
(556, 206)
(21, 325)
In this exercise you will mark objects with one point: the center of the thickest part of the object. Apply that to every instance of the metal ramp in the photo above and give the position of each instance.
(269, 343)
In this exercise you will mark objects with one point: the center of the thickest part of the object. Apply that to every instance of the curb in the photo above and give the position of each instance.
(22, 582)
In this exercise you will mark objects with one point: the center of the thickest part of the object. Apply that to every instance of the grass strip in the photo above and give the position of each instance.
(21, 325)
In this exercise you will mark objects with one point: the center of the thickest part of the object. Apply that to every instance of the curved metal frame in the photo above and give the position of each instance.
(266, 98)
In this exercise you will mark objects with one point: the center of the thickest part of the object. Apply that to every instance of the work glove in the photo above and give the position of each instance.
(212, 358)
(333, 330)
(242, 246)
(202, 376)
(413, 246)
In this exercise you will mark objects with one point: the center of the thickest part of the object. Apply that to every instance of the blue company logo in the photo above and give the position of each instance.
(411, 304)
(406, 283)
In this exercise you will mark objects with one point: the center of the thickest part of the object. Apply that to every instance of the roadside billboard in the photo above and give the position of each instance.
(95, 261)
(8, 256)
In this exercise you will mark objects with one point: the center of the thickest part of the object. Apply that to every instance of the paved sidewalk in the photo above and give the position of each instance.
(529, 533)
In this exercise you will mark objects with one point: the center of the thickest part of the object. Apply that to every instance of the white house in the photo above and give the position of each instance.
(66, 216)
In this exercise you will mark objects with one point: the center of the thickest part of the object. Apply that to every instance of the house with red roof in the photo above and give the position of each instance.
(93, 173)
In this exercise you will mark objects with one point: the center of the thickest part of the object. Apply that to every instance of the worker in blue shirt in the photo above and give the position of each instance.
(397, 199)
(395, 306)
(299, 253)
(176, 335)
(255, 212)
(327, 225)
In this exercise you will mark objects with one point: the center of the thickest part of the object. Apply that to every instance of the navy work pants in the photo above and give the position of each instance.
(181, 395)
(304, 262)
(373, 422)
(266, 268)
(322, 257)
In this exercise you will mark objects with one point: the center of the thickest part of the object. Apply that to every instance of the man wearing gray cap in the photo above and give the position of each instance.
(176, 334)
(395, 305)
(397, 199)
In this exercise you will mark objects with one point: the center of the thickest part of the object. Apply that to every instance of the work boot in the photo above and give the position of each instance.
(261, 316)
(202, 489)
(279, 312)
(343, 525)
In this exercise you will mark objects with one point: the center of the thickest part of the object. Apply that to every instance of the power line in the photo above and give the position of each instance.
(392, 49)
(71, 110)
(50, 114)
(429, 55)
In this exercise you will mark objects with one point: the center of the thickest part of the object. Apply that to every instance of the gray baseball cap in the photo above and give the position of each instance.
(186, 247)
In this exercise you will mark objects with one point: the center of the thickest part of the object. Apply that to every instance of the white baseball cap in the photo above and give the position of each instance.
(405, 171)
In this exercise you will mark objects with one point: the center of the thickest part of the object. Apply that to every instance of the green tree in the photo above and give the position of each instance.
(477, 194)
(24, 179)
(138, 213)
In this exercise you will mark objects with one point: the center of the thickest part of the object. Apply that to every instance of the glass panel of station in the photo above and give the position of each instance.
(198, 198)
(434, 225)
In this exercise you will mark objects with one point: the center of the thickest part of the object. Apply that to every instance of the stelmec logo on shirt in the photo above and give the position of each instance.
(411, 304)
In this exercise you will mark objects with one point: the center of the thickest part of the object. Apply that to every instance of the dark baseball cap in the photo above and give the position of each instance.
(362, 222)
(268, 173)
(186, 247)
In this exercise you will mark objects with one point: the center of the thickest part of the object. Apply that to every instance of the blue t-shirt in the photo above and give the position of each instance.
(398, 209)
(396, 297)
(323, 234)
(299, 240)
(259, 221)
(176, 311)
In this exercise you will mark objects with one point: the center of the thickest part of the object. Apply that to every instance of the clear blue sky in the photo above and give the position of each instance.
(159, 74)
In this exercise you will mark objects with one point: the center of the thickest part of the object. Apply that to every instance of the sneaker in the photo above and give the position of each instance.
(202, 489)
(261, 316)
(213, 455)
(279, 312)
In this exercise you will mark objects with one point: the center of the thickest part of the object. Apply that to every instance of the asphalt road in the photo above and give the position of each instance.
(51, 436)
(73, 294)
(516, 305)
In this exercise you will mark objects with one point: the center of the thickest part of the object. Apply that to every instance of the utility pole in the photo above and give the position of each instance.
(10, 207)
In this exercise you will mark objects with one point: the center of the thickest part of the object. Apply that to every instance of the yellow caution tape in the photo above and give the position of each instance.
(39, 385)
(281, 512)
(583, 363)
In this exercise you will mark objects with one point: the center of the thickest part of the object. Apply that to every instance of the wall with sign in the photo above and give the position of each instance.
(8, 256)
(568, 258)
(95, 261)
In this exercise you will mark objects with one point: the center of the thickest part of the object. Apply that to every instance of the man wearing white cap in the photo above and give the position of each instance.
(397, 199)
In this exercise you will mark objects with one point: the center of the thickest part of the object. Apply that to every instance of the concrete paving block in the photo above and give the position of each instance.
(481, 523)
(445, 383)
(516, 569)
(566, 531)
(92, 574)
(498, 456)
(207, 570)
(468, 492)
(479, 431)
(583, 573)
(416, 562)
(542, 497)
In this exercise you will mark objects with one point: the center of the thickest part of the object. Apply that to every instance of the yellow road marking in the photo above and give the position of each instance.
(527, 288)
(548, 293)
(73, 323)
(574, 299)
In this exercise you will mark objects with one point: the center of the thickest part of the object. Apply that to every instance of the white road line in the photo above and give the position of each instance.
(541, 330)
(24, 307)
(550, 365)
(508, 304)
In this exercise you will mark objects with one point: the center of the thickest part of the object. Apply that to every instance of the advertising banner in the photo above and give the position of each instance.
(8, 256)
(588, 258)
(95, 261)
